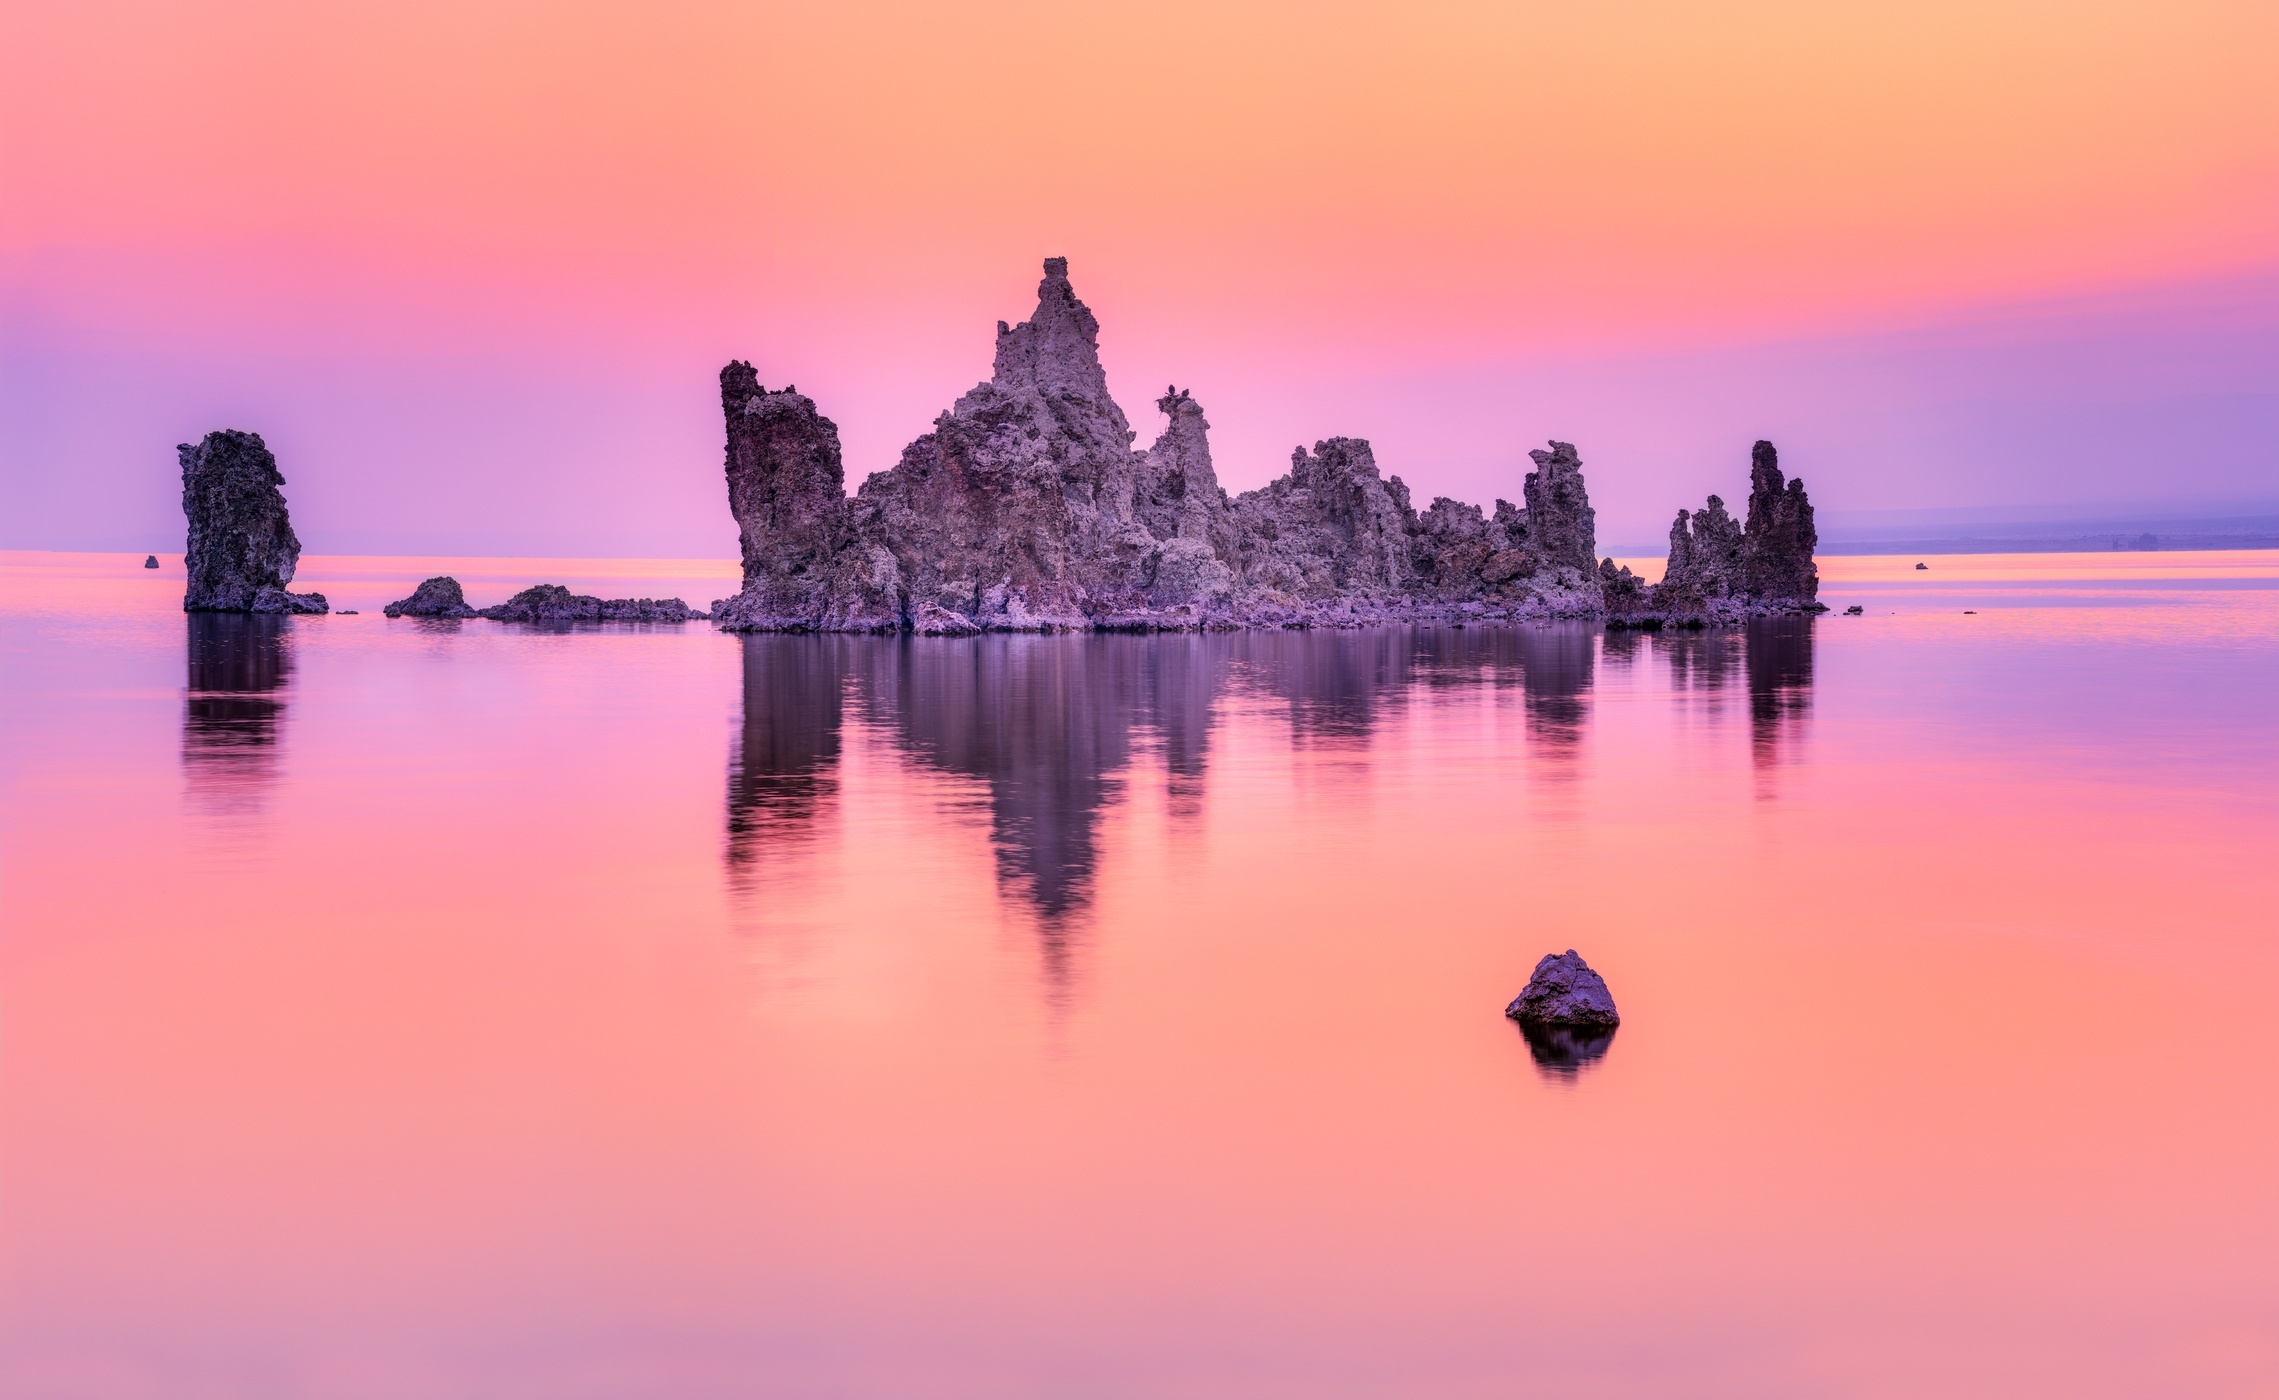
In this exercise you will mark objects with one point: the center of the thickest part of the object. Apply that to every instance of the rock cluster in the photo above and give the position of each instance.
(1723, 570)
(1028, 508)
(1564, 992)
(442, 597)
(242, 550)
(551, 602)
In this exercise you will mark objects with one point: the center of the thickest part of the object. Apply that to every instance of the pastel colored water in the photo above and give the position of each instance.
(440, 1010)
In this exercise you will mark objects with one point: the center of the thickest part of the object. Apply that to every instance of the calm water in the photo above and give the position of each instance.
(461, 1010)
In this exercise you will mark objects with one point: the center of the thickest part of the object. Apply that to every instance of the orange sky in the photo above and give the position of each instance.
(850, 194)
(1469, 173)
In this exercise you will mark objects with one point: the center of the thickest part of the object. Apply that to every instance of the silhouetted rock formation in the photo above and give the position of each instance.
(1564, 992)
(1776, 549)
(1027, 508)
(551, 602)
(242, 550)
(1721, 570)
(150, 561)
(437, 597)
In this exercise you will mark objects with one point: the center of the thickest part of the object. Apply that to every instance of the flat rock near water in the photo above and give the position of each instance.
(1565, 992)
(546, 602)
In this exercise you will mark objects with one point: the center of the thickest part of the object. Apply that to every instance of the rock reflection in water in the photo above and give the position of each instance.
(1334, 683)
(1780, 686)
(1049, 725)
(239, 668)
(1564, 1052)
(784, 768)
(1701, 663)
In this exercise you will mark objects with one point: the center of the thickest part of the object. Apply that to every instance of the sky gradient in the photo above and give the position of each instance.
(472, 268)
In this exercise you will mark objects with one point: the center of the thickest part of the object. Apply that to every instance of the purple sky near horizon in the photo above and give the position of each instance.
(2160, 400)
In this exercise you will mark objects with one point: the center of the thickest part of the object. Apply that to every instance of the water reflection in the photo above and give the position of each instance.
(1564, 1052)
(1049, 726)
(1780, 687)
(784, 768)
(1701, 663)
(233, 704)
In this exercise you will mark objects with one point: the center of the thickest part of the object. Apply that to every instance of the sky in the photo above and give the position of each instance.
(472, 268)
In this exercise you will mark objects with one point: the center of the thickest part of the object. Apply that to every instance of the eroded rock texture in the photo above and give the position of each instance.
(1029, 508)
(1723, 570)
(551, 602)
(437, 597)
(1564, 991)
(242, 550)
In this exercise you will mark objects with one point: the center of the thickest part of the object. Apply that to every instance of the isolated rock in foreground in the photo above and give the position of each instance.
(242, 550)
(551, 602)
(1564, 992)
(438, 597)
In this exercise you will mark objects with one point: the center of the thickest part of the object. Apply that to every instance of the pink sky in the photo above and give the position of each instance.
(472, 268)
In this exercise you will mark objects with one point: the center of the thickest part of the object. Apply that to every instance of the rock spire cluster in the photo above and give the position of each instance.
(242, 550)
(1029, 507)
(1723, 570)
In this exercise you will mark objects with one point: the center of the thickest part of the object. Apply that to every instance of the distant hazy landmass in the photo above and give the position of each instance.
(2049, 531)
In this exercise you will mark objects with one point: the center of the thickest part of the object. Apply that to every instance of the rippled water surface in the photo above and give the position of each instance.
(441, 1010)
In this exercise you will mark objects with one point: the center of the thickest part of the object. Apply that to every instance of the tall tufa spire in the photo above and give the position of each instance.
(1057, 348)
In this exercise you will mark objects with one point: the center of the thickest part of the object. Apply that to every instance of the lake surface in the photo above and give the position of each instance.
(471, 1010)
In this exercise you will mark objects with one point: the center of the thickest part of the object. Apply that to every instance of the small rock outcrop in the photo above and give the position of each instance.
(551, 602)
(1724, 570)
(437, 597)
(1029, 508)
(150, 561)
(242, 550)
(1564, 992)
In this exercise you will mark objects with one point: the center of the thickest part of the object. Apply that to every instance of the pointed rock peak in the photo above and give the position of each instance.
(1764, 467)
(1057, 348)
(1561, 454)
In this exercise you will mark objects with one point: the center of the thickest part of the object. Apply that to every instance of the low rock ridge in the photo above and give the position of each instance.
(1030, 508)
(442, 597)
(241, 550)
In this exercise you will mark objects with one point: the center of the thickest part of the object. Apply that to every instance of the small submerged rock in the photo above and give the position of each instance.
(1565, 992)
(150, 562)
(437, 597)
(1922, 566)
(1855, 610)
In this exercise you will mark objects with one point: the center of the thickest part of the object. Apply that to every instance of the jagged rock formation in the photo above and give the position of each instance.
(551, 602)
(1722, 570)
(1028, 508)
(242, 550)
(1564, 992)
(437, 597)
